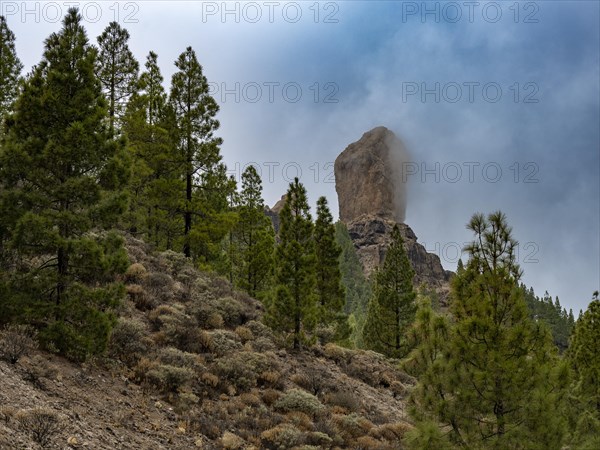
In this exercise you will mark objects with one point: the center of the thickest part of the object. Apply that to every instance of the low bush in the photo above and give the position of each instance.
(224, 342)
(128, 341)
(17, 341)
(41, 423)
(344, 399)
(174, 357)
(167, 378)
(135, 273)
(299, 400)
(242, 369)
(282, 437)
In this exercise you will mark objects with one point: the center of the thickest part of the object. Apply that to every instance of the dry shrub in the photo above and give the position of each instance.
(164, 315)
(41, 423)
(352, 426)
(390, 431)
(232, 312)
(259, 329)
(263, 344)
(178, 329)
(174, 262)
(128, 341)
(318, 439)
(17, 341)
(314, 380)
(7, 413)
(206, 315)
(242, 369)
(270, 378)
(159, 286)
(209, 379)
(299, 400)
(344, 399)
(175, 357)
(244, 333)
(250, 399)
(220, 287)
(300, 420)
(140, 297)
(230, 441)
(135, 273)
(185, 402)
(338, 354)
(369, 443)
(270, 396)
(37, 367)
(224, 342)
(167, 378)
(282, 436)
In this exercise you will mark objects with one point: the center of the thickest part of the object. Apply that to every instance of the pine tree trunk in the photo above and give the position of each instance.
(63, 268)
(188, 196)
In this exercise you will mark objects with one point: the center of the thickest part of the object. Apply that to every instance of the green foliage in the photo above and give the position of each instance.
(10, 71)
(357, 288)
(250, 245)
(156, 184)
(62, 177)
(117, 70)
(331, 295)
(552, 314)
(584, 359)
(242, 369)
(392, 308)
(491, 378)
(293, 306)
(299, 400)
(204, 200)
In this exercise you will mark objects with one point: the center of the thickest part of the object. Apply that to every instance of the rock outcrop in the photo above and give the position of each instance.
(371, 237)
(372, 199)
(273, 213)
(367, 177)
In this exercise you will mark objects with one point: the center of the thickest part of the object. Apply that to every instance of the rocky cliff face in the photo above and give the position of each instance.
(367, 177)
(372, 199)
(371, 237)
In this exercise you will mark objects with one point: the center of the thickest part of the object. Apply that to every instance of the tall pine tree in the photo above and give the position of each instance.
(255, 237)
(117, 69)
(206, 182)
(10, 70)
(584, 359)
(357, 287)
(392, 308)
(63, 177)
(331, 295)
(293, 306)
(491, 379)
(156, 203)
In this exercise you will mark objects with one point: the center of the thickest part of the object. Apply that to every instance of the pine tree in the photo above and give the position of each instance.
(392, 308)
(206, 183)
(255, 236)
(357, 287)
(63, 177)
(293, 308)
(156, 204)
(491, 381)
(331, 294)
(117, 70)
(584, 359)
(10, 70)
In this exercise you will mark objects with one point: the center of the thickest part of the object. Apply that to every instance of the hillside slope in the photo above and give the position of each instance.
(190, 365)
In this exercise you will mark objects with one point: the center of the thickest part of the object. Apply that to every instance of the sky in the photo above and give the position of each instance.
(498, 104)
